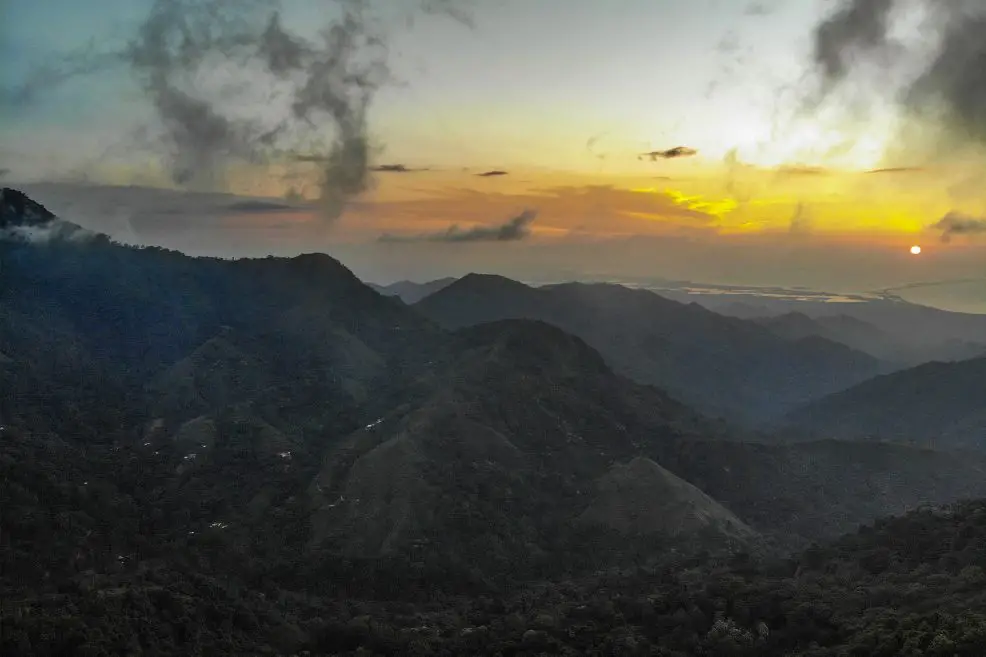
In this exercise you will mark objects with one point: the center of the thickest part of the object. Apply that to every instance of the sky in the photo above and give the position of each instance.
(718, 141)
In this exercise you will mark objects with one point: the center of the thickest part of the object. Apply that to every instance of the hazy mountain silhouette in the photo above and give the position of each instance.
(936, 404)
(411, 292)
(914, 334)
(720, 365)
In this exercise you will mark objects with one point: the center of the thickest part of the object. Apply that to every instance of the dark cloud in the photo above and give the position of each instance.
(950, 90)
(3, 172)
(326, 86)
(261, 207)
(494, 172)
(955, 223)
(395, 168)
(855, 28)
(516, 229)
(669, 154)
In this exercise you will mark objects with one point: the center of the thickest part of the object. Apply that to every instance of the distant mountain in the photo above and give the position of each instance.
(410, 292)
(914, 333)
(936, 404)
(720, 365)
(844, 329)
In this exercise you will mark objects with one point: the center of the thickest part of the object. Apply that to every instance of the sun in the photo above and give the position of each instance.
(915, 250)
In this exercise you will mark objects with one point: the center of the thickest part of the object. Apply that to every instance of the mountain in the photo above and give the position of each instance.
(936, 404)
(411, 292)
(25, 220)
(892, 345)
(844, 329)
(719, 365)
(507, 462)
(914, 334)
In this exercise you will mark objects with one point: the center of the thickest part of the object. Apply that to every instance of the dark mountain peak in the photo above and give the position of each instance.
(527, 342)
(478, 283)
(23, 219)
(18, 209)
(319, 263)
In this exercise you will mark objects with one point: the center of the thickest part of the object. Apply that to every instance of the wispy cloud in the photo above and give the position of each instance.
(492, 173)
(891, 170)
(801, 223)
(513, 230)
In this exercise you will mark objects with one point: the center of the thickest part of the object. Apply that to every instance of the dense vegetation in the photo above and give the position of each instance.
(908, 586)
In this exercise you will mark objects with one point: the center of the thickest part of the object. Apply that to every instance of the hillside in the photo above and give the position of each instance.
(719, 365)
(505, 464)
(936, 404)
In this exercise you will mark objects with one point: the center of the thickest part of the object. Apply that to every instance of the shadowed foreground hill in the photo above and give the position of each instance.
(507, 463)
(718, 364)
(937, 404)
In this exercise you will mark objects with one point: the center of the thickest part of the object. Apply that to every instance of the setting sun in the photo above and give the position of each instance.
(915, 250)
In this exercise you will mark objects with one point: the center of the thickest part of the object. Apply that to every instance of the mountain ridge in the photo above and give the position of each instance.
(705, 359)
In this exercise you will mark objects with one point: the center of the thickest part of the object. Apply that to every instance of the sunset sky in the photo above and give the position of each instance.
(564, 96)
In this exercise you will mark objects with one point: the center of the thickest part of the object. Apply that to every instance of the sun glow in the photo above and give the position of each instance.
(915, 250)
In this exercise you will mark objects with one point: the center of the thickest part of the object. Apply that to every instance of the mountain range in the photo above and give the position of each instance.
(720, 365)
(275, 425)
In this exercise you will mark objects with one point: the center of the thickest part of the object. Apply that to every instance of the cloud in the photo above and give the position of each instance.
(4, 171)
(669, 154)
(856, 28)
(889, 170)
(516, 229)
(493, 172)
(261, 207)
(955, 223)
(270, 89)
(394, 168)
(950, 88)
